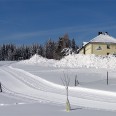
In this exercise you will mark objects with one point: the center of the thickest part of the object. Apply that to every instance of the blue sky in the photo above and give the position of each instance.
(32, 21)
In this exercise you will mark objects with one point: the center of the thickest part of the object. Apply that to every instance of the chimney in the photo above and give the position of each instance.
(99, 33)
(106, 33)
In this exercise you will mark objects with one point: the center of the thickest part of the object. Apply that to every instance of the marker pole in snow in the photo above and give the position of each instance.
(0, 87)
(107, 77)
(76, 81)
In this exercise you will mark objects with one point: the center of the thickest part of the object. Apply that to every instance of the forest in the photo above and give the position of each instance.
(51, 49)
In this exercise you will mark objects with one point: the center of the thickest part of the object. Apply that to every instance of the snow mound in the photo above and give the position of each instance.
(74, 61)
(87, 61)
(37, 59)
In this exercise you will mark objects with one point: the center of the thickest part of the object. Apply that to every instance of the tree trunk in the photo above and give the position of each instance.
(68, 107)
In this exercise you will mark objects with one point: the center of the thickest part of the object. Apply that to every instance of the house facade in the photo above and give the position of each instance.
(103, 44)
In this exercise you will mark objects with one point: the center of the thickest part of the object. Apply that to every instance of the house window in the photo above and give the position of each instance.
(114, 53)
(108, 46)
(99, 48)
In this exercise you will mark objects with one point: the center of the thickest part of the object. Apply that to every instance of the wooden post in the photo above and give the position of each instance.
(107, 77)
(76, 80)
(0, 87)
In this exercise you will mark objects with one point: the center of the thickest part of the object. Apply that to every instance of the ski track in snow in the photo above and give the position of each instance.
(24, 85)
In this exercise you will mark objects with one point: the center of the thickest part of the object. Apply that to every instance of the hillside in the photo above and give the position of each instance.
(37, 81)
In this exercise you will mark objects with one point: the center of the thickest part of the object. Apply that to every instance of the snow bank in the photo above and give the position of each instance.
(37, 59)
(75, 61)
(88, 61)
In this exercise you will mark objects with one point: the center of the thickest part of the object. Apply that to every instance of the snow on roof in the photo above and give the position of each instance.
(84, 43)
(103, 38)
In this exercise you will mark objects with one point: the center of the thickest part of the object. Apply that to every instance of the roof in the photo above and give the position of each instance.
(103, 38)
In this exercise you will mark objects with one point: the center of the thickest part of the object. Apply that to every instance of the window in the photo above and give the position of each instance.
(114, 53)
(99, 48)
(108, 46)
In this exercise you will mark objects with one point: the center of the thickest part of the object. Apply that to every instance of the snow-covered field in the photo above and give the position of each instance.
(34, 88)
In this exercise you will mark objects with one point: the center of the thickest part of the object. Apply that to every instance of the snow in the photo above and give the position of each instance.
(74, 61)
(40, 109)
(66, 51)
(33, 87)
(84, 43)
(104, 38)
(21, 83)
(87, 61)
(37, 59)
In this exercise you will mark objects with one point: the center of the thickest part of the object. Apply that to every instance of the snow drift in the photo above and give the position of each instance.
(37, 59)
(75, 61)
(88, 61)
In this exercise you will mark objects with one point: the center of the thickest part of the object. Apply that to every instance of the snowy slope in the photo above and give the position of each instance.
(30, 87)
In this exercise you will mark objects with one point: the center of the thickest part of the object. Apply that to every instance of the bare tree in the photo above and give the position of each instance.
(65, 82)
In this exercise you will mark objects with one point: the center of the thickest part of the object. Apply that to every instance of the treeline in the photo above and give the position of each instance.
(50, 50)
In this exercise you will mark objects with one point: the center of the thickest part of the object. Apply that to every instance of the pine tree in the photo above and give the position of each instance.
(73, 45)
(49, 49)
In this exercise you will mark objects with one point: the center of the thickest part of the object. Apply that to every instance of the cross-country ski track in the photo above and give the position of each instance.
(22, 84)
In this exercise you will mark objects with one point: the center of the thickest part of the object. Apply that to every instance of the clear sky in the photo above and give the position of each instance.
(32, 21)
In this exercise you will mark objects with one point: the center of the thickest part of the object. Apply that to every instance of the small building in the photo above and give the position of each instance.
(103, 44)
